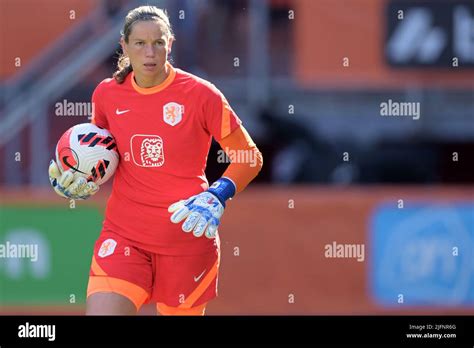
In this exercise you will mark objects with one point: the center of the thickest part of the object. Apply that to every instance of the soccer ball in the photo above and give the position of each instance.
(90, 151)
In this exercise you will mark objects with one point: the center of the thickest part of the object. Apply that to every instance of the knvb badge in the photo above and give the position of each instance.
(173, 113)
(423, 255)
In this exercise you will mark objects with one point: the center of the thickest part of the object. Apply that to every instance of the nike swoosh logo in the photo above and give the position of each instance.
(118, 112)
(70, 165)
(196, 279)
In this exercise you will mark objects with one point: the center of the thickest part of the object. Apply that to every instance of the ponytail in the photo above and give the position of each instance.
(124, 68)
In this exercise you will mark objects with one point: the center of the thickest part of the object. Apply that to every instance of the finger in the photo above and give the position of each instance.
(200, 227)
(77, 186)
(180, 215)
(78, 197)
(211, 231)
(191, 221)
(190, 200)
(59, 192)
(53, 170)
(90, 189)
(53, 182)
(66, 179)
(175, 206)
(87, 191)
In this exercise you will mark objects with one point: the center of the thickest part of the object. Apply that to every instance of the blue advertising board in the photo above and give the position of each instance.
(422, 254)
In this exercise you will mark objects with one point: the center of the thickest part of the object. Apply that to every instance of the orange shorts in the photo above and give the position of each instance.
(144, 277)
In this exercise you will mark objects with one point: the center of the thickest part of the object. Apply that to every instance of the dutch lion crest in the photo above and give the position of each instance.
(173, 113)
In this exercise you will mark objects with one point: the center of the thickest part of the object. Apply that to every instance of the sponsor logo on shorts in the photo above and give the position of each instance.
(196, 279)
(107, 248)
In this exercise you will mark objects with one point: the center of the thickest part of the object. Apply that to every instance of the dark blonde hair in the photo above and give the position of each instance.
(142, 13)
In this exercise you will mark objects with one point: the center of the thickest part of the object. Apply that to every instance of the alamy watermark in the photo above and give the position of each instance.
(237, 156)
(394, 108)
(67, 108)
(37, 331)
(20, 251)
(345, 251)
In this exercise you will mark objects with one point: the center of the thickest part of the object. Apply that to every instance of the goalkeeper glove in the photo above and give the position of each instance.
(66, 186)
(204, 210)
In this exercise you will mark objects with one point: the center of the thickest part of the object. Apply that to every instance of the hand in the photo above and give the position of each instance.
(66, 186)
(202, 213)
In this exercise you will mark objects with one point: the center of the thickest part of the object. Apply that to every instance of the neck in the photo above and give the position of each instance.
(148, 82)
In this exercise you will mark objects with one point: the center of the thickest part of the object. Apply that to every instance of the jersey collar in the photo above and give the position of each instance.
(157, 88)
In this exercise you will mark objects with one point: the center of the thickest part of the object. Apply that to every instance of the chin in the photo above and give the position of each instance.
(150, 73)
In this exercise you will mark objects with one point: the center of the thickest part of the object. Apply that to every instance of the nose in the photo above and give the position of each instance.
(149, 51)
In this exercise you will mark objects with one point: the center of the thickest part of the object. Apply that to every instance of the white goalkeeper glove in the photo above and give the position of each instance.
(204, 210)
(66, 186)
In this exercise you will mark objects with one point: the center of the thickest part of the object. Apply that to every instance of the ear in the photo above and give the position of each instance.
(170, 44)
(123, 44)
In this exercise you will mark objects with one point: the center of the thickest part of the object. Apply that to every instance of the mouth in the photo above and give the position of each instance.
(150, 65)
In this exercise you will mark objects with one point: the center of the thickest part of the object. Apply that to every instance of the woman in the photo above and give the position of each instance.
(163, 119)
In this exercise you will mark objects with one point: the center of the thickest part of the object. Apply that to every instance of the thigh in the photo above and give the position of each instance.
(198, 310)
(120, 268)
(186, 281)
(109, 303)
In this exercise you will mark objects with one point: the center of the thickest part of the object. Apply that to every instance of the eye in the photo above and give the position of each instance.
(160, 43)
(139, 43)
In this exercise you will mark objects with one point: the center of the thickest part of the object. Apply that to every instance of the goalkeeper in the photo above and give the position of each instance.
(159, 241)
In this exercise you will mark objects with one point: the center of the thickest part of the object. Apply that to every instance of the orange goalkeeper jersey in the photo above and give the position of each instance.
(163, 135)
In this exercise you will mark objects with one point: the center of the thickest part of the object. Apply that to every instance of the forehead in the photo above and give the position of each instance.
(148, 30)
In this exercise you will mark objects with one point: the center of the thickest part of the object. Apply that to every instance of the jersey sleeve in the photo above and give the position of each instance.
(99, 118)
(219, 118)
(241, 171)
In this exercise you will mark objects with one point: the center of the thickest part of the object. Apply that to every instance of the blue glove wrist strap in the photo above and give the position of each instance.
(223, 189)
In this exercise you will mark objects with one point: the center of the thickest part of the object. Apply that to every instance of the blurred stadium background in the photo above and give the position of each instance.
(307, 77)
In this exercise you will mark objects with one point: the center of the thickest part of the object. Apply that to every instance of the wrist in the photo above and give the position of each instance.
(224, 189)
